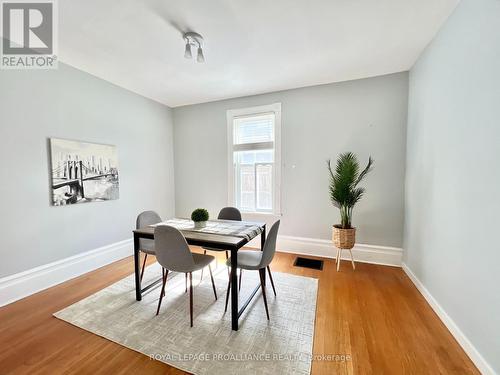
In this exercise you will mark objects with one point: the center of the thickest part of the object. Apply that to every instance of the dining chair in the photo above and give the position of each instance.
(227, 213)
(257, 261)
(173, 254)
(147, 246)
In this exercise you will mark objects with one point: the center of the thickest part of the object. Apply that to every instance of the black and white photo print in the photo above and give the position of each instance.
(83, 172)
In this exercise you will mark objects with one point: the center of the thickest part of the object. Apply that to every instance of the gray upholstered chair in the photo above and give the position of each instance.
(145, 219)
(227, 213)
(258, 261)
(173, 254)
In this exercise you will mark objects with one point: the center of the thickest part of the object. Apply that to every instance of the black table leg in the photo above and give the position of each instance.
(263, 238)
(138, 294)
(262, 243)
(234, 290)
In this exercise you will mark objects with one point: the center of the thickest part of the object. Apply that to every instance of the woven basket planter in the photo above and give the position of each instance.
(343, 238)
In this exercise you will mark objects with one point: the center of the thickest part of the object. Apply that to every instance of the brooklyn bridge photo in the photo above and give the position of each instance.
(83, 172)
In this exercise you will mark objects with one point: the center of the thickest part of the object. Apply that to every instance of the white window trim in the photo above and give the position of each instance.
(233, 113)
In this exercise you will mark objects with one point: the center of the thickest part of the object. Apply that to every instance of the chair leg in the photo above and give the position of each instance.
(227, 294)
(262, 274)
(186, 282)
(201, 277)
(163, 275)
(191, 298)
(162, 293)
(228, 271)
(213, 283)
(271, 278)
(239, 285)
(144, 264)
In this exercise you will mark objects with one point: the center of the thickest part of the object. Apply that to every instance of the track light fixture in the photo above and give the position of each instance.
(195, 40)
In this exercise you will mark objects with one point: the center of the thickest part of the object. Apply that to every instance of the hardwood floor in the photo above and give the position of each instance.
(373, 315)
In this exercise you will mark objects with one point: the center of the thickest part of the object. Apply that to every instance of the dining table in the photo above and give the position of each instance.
(216, 235)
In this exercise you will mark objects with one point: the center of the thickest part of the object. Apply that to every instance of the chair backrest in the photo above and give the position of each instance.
(145, 219)
(229, 213)
(270, 246)
(172, 250)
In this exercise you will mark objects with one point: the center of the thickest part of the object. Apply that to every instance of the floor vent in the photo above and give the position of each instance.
(315, 264)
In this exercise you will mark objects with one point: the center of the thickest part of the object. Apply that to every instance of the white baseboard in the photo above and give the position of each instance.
(390, 256)
(23, 284)
(385, 255)
(464, 342)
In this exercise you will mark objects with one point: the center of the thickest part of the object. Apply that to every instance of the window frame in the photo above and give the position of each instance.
(231, 114)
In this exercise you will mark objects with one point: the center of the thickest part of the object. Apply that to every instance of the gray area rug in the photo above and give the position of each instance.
(282, 345)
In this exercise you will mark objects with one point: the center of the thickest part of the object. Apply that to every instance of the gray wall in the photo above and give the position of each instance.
(68, 103)
(453, 177)
(366, 116)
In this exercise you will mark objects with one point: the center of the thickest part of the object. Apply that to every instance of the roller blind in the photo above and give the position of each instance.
(254, 132)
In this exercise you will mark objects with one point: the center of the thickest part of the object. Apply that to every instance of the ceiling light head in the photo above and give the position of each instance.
(187, 52)
(200, 58)
(195, 40)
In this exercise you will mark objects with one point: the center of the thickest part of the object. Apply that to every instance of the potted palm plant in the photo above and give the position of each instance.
(200, 217)
(344, 194)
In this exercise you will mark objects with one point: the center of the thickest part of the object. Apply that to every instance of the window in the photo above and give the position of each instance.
(254, 158)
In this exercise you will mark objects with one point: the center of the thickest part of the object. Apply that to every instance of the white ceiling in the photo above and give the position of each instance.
(251, 46)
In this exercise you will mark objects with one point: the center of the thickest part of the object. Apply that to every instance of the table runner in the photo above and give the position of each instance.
(233, 228)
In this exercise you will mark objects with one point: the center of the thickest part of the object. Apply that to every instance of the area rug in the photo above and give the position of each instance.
(282, 345)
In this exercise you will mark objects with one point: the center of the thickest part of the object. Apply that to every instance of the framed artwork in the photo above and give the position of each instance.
(82, 172)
